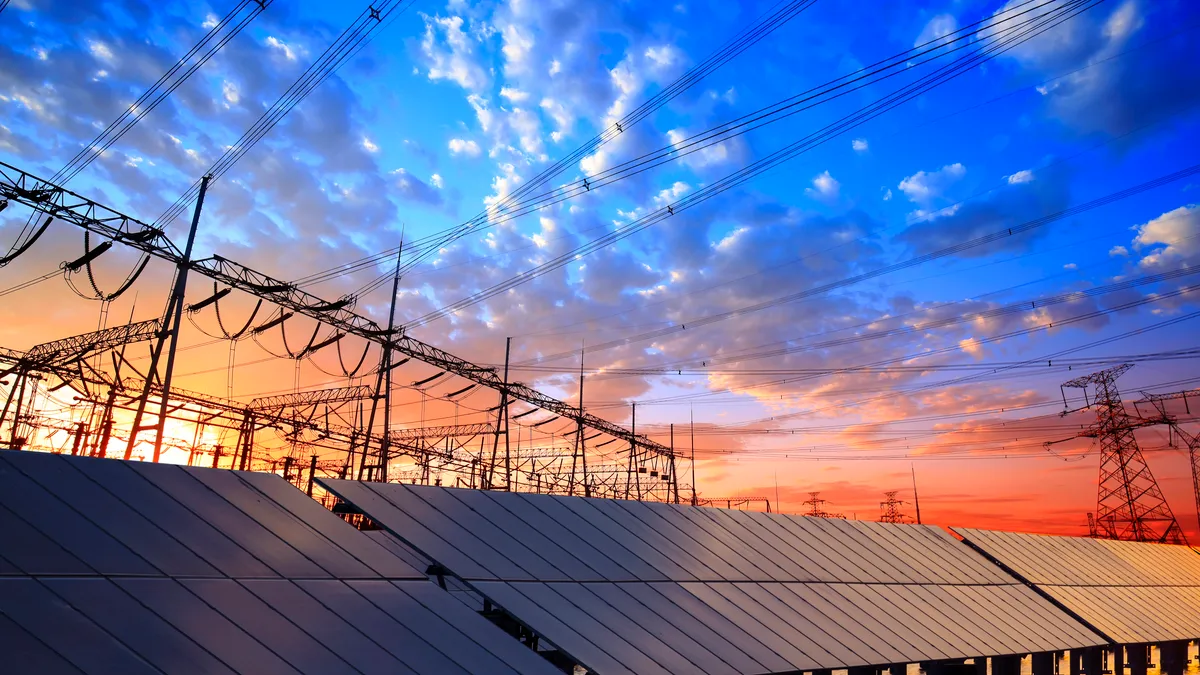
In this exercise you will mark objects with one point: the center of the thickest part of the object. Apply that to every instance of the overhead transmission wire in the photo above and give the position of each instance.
(946, 73)
(999, 369)
(423, 247)
(210, 43)
(713, 136)
(351, 41)
(1016, 307)
(216, 38)
(992, 237)
(1045, 82)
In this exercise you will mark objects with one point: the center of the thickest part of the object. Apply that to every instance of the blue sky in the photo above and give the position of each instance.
(454, 104)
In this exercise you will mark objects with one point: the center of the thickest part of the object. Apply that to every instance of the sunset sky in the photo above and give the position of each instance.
(822, 322)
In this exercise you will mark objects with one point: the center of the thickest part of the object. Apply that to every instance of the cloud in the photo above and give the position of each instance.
(941, 222)
(859, 145)
(448, 53)
(414, 189)
(938, 27)
(1170, 239)
(825, 187)
(1118, 251)
(459, 146)
(1106, 78)
(925, 188)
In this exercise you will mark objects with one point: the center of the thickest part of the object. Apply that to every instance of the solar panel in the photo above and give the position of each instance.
(1131, 592)
(122, 567)
(632, 587)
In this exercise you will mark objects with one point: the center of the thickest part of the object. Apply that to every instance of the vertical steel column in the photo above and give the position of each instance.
(168, 339)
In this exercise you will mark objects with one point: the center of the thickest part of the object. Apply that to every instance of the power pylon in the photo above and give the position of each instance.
(890, 509)
(1190, 440)
(1129, 503)
(816, 507)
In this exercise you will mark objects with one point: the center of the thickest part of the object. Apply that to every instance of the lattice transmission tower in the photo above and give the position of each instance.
(1129, 503)
(890, 508)
(816, 507)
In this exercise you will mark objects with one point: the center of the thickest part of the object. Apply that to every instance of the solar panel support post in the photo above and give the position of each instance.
(1042, 663)
(1092, 661)
(168, 339)
(1139, 658)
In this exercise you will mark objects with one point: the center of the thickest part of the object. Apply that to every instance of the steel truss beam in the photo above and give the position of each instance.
(306, 398)
(22, 187)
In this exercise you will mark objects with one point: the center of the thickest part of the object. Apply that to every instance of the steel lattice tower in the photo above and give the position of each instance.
(890, 509)
(1129, 503)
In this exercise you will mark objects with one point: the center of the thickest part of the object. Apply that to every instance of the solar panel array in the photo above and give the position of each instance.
(650, 588)
(1131, 592)
(126, 567)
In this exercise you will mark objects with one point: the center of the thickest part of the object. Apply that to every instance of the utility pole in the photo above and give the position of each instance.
(168, 339)
(692, 424)
(916, 497)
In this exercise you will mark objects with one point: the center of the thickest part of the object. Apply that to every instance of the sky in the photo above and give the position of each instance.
(899, 297)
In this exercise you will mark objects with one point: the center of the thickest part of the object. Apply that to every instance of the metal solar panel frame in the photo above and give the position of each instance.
(786, 593)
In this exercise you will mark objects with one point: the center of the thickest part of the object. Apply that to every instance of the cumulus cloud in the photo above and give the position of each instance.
(938, 27)
(942, 222)
(1108, 86)
(449, 53)
(1170, 239)
(859, 145)
(459, 146)
(925, 188)
(825, 187)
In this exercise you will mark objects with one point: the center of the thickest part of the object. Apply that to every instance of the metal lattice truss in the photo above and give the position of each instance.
(24, 188)
(1190, 440)
(1129, 503)
(317, 397)
(59, 354)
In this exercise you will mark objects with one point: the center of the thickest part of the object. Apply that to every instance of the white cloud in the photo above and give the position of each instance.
(436, 181)
(1172, 237)
(459, 146)
(825, 187)
(1118, 251)
(100, 51)
(369, 145)
(282, 47)
(938, 27)
(859, 145)
(923, 187)
(1024, 176)
(513, 94)
(453, 57)
(1070, 266)
(663, 56)
(229, 91)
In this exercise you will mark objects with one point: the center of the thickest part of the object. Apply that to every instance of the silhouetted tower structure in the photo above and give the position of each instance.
(1129, 503)
(816, 507)
(890, 509)
(1190, 440)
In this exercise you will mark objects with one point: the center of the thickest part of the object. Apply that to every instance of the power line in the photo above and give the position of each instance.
(769, 162)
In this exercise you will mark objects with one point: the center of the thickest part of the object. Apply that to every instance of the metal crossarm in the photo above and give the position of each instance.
(37, 193)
